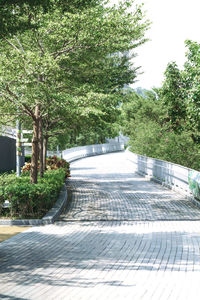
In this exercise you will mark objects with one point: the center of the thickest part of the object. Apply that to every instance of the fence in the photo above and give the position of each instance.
(169, 174)
(84, 151)
(28, 151)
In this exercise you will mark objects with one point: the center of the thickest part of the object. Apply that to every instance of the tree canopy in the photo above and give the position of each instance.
(60, 59)
(167, 125)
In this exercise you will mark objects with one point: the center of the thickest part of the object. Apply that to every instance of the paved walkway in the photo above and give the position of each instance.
(121, 237)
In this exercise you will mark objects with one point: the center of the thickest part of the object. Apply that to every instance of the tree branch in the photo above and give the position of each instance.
(26, 109)
(29, 111)
(39, 43)
(11, 44)
(20, 44)
(10, 114)
(11, 93)
(65, 50)
(72, 49)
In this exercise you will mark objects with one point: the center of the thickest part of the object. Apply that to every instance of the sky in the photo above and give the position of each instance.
(173, 22)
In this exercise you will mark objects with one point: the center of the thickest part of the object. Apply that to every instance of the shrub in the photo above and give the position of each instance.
(28, 200)
(5, 180)
(32, 200)
(145, 138)
(1, 198)
(151, 140)
(52, 163)
(26, 169)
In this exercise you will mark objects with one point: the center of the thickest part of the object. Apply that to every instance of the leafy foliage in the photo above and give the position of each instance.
(164, 123)
(52, 163)
(31, 201)
(173, 97)
(63, 63)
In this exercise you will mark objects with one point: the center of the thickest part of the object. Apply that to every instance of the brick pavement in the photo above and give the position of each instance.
(121, 237)
(105, 188)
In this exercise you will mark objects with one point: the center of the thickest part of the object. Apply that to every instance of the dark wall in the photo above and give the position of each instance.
(7, 154)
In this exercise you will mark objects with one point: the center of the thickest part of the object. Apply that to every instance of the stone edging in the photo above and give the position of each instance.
(49, 218)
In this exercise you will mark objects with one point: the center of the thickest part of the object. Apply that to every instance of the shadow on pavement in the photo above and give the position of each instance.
(26, 260)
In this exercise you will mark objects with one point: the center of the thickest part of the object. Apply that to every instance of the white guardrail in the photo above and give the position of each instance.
(170, 175)
(28, 151)
(84, 151)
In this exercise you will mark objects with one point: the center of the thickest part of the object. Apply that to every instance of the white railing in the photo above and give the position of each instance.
(84, 151)
(28, 151)
(56, 153)
(169, 174)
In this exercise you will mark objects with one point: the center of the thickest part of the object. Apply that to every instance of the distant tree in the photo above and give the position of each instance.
(173, 96)
(165, 123)
(192, 90)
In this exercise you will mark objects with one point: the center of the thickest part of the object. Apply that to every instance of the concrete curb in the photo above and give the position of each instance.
(49, 218)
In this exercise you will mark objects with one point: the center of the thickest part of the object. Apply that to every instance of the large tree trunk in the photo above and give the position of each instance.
(34, 158)
(41, 148)
(45, 142)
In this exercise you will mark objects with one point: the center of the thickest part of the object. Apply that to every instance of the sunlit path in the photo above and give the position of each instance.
(121, 237)
(105, 188)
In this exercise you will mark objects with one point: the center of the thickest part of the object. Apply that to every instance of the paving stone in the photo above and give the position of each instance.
(121, 237)
(105, 188)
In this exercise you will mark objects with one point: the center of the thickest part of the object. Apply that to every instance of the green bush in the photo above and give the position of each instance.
(5, 180)
(151, 140)
(1, 198)
(145, 138)
(180, 149)
(52, 163)
(31, 200)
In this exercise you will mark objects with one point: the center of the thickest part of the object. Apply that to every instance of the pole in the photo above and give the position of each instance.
(58, 153)
(18, 147)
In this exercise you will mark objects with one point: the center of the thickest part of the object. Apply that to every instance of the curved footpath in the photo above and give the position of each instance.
(121, 237)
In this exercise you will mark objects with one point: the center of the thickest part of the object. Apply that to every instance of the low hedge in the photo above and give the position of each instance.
(30, 200)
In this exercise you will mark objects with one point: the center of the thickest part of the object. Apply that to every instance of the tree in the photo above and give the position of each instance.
(173, 96)
(137, 108)
(166, 125)
(192, 83)
(51, 46)
(181, 92)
